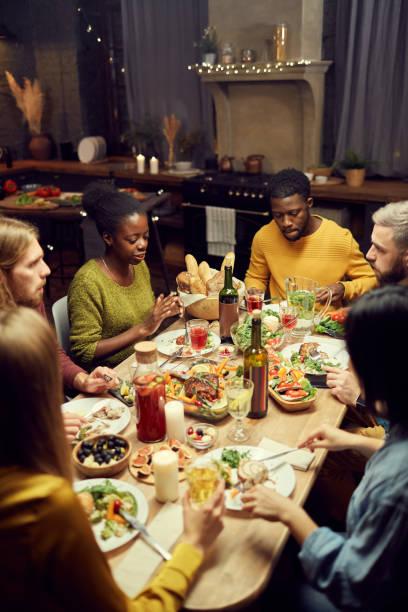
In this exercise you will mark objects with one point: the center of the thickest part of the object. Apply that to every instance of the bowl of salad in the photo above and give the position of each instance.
(272, 337)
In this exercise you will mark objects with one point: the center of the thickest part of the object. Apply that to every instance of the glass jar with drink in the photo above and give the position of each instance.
(150, 394)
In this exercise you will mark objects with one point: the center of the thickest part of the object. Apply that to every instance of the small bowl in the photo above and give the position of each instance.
(321, 170)
(320, 179)
(309, 175)
(103, 469)
(226, 350)
(209, 437)
(30, 187)
(183, 166)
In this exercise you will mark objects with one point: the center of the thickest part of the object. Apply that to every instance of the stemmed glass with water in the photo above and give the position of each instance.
(239, 394)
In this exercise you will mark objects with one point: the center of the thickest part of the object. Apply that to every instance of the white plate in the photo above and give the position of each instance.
(336, 349)
(142, 511)
(166, 343)
(191, 171)
(284, 478)
(87, 405)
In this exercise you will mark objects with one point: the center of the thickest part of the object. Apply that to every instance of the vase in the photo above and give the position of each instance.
(209, 58)
(40, 146)
(355, 177)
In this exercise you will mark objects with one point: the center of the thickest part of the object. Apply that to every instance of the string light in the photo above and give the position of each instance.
(89, 27)
(252, 68)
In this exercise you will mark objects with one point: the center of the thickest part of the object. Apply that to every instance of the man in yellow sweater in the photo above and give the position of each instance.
(297, 243)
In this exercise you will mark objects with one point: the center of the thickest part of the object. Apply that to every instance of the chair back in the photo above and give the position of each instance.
(61, 321)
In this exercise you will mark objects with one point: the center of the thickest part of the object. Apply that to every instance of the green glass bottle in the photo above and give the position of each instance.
(228, 306)
(256, 369)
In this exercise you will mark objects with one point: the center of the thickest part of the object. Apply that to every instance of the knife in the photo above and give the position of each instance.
(172, 356)
(145, 534)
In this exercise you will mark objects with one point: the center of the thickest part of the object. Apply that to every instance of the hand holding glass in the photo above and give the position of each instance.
(239, 394)
(197, 332)
(203, 476)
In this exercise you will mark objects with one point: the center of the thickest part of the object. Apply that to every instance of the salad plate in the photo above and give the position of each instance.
(140, 508)
(166, 343)
(87, 406)
(282, 480)
(334, 348)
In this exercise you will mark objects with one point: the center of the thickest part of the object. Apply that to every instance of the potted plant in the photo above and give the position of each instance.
(187, 143)
(143, 136)
(355, 166)
(30, 100)
(208, 45)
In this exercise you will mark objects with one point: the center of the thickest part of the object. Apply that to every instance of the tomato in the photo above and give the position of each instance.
(10, 186)
(54, 191)
(43, 192)
(296, 393)
(338, 316)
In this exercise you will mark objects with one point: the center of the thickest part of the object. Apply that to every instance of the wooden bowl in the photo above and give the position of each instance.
(291, 406)
(207, 308)
(104, 469)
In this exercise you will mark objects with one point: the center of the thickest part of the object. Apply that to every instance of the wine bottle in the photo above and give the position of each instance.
(256, 369)
(228, 305)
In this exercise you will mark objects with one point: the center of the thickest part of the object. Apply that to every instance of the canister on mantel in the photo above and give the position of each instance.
(280, 41)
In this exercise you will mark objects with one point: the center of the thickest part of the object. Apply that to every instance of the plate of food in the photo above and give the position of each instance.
(169, 342)
(272, 337)
(140, 463)
(67, 198)
(124, 392)
(104, 415)
(97, 497)
(243, 464)
(333, 353)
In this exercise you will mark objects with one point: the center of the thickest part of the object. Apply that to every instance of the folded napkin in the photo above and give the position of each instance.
(300, 459)
(220, 230)
(141, 561)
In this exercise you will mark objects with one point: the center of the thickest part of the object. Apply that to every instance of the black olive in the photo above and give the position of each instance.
(111, 444)
(99, 460)
(200, 432)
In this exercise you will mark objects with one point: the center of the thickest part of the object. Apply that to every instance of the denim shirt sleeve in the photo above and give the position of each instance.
(359, 570)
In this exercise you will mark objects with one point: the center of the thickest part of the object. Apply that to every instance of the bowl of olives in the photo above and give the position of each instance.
(101, 455)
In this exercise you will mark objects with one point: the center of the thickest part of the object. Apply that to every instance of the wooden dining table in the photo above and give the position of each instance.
(241, 562)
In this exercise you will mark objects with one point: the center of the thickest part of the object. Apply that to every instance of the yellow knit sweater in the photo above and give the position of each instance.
(328, 255)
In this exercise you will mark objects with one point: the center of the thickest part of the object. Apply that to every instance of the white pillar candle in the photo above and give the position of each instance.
(165, 470)
(140, 163)
(174, 412)
(154, 165)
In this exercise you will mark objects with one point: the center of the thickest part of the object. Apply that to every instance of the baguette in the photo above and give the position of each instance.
(191, 264)
(229, 260)
(197, 285)
(204, 272)
(216, 282)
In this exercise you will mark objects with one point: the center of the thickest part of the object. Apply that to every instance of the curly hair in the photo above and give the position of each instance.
(108, 207)
(288, 182)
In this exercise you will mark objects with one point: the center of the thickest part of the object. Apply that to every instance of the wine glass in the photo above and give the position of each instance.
(198, 333)
(239, 394)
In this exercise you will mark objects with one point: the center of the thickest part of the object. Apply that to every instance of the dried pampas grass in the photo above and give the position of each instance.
(30, 100)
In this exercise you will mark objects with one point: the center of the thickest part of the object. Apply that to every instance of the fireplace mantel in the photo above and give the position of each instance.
(276, 109)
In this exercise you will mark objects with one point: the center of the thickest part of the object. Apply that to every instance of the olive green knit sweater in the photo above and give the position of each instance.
(99, 308)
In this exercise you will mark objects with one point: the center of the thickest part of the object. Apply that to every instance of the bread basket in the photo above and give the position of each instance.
(207, 307)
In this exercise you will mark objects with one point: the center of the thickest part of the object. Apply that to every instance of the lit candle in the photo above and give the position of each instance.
(154, 165)
(165, 468)
(140, 163)
(174, 412)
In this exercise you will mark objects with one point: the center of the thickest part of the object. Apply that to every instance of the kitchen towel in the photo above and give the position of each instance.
(220, 230)
(300, 460)
(141, 562)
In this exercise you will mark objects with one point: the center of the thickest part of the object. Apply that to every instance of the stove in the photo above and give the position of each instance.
(246, 193)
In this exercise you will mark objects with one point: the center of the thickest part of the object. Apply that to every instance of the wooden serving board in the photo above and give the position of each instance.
(190, 453)
(10, 203)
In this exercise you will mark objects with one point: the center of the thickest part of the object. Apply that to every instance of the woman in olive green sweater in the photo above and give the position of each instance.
(110, 301)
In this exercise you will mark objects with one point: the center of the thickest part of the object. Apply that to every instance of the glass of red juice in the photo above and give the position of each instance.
(254, 299)
(288, 315)
(197, 332)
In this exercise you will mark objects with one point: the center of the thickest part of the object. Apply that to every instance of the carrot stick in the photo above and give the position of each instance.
(114, 516)
(221, 366)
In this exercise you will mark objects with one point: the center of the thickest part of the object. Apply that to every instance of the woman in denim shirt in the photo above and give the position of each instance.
(363, 568)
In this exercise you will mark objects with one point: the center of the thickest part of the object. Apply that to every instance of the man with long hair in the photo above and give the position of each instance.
(23, 274)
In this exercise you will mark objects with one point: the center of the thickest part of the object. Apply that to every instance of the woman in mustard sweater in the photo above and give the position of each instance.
(49, 559)
(110, 301)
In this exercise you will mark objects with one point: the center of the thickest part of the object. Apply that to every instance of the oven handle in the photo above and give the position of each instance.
(241, 212)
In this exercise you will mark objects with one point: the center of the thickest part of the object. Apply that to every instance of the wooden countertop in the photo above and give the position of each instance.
(372, 190)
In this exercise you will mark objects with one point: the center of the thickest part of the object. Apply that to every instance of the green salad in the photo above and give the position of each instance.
(244, 330)
(328, 324)
(103, 497)
(311, 366)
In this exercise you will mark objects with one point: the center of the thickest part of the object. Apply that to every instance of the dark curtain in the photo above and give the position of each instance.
(371, 62)
(158, 38)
